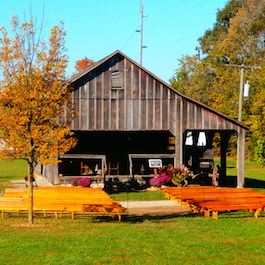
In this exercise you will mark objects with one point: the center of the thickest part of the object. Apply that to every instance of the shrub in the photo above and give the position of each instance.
(160, 180)
(74, 181)
(84, 182)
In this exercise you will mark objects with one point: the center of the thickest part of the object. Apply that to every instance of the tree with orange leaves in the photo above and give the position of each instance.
(34, 95)
(83, 64)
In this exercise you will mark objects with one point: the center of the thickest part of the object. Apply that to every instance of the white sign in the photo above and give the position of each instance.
(155, 163)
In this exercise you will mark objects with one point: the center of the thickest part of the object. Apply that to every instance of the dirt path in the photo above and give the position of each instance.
(163, 207)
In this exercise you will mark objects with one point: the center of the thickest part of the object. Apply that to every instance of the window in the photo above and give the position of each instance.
(117, 79)
(199, 138)
(189, 139)
(202, 141)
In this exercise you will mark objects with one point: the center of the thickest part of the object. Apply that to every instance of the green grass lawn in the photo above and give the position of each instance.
(139, 196)
(11, 170)
(235, 238)
(252, 170)
(254, 175)
(180, 240)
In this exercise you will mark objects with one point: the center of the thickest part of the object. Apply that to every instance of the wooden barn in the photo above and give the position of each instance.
(128, 119)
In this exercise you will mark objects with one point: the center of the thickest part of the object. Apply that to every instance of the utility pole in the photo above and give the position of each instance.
(242, 67)
(141, 31)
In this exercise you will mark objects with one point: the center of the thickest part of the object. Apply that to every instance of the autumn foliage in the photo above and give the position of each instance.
(237, 37)
(83, 64)
(34, 95)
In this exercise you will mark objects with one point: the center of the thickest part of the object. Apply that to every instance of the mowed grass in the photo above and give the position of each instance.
(180, 240)
(254, 174)
(235, 238)
(11, 170)
(139, 196)
(252, 170)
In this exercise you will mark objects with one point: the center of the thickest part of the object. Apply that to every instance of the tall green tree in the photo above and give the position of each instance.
(237, 37)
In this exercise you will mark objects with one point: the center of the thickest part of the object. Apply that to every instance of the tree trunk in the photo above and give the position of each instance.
(30, 193)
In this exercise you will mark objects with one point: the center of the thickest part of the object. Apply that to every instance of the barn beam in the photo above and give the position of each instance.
(223, 144)
(240, 158)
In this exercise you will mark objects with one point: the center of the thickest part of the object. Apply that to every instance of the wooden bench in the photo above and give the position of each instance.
(207, 209)
(63, 200)
(209, 200)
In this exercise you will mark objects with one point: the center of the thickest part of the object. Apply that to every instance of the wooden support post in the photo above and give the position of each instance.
(155, 172)
(240, 158)
(3, 214)
(257, 213)
(73, 215)
(215, 215)
(119, 217)
(207, 213)
(223, 144)
(56, 215)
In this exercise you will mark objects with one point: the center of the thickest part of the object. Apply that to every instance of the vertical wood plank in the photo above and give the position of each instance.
(180, 132)
(183, 114)
(125, 92)
(102, 102)
(98, 97)
(199, 118)
(92, 106)
(136, 93)
(87, 105)
(150, 103)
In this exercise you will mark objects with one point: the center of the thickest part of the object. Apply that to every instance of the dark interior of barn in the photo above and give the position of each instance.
(116, 146)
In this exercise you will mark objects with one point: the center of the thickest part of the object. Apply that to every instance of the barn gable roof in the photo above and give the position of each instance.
(96, 65)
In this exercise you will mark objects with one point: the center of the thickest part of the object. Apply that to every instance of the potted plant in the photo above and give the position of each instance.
(171, 176)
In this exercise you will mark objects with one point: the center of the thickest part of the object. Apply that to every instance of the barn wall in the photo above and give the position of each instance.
(144, 103)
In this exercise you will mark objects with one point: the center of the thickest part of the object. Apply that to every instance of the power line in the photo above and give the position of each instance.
(167, 8)
(179, 14)
(174, 41)
(129, 39)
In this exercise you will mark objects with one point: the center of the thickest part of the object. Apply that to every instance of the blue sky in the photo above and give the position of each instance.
(96, 28)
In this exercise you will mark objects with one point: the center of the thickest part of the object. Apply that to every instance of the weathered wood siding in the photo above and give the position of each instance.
(144, 103)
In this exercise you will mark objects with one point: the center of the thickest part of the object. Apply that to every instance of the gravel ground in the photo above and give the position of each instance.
(163, 207)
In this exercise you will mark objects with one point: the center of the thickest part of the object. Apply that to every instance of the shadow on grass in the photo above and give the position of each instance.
(147, 217)
(131, 218)
(134, 219)
(231, 181)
